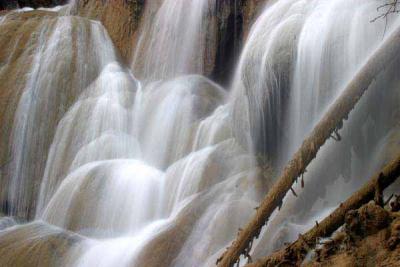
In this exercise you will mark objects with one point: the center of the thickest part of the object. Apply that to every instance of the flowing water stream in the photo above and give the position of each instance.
(162, 170)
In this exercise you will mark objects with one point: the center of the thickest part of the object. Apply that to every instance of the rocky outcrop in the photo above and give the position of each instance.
(18, 40)
(36, 244)
(228, 24)
(34, 44)
(41, 3)
(5, 5)
(233, 20)
(251, 9)
(19, 34)
(163, 249)
(230, 20)
(226, 42)
(120, 18)
(12, 4)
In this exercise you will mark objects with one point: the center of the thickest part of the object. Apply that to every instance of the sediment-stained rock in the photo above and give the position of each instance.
(19, 34)
(120, 18)
(34, 44)
(35, 244)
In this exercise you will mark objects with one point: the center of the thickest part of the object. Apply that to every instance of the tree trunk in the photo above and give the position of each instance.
(296, 251)
(330, 123)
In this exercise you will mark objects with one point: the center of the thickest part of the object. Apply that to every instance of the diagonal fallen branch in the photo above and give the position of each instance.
(296, 252)
(331, 122)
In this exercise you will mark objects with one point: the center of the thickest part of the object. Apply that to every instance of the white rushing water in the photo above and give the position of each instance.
(176, 36)
(59, 73)
(162, 172)
(298, 58)
(130, 164)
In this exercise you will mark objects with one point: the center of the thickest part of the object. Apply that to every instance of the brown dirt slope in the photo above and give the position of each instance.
(370, 237)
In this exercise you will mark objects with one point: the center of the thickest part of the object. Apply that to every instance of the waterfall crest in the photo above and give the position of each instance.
(176, 36)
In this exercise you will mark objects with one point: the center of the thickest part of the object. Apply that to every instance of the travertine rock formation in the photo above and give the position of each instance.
(12, 4)
(119, 17)
(18, 41)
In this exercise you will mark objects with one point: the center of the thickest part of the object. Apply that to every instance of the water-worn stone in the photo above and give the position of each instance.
(35, 244)
(18, 41)
(120, 18)
(12, 4)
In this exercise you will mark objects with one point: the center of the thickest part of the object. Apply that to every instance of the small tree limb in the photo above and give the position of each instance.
(339, 111)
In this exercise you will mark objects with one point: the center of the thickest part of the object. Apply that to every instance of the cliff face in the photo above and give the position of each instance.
(232, 20)
(36, 248)
(12, 4)
(120, 18)
(18, 41)
(20, 34)
(251, 9)
(34, 44)
(228, 25)
(226, 41)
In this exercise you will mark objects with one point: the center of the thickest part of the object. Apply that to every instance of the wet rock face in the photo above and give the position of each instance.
(229, 24)
(251, 9)
(4, 4)
(232, 19)
(12, 4)
(35, 244)
(18, 39)
(228, 40)
(21, 36)
(41, 3)
(120, 18)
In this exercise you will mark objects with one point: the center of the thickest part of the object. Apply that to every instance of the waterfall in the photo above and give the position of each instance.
(297, 60)
(176, 36)
(318, 66)
(64, 47)
(101, 117)
(132, 162)
(154, 164)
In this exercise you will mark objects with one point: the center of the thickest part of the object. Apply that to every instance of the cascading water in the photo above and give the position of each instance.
(298, 58)
(176, 36)
(64, 46)
(131, 163)
(163, 171)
